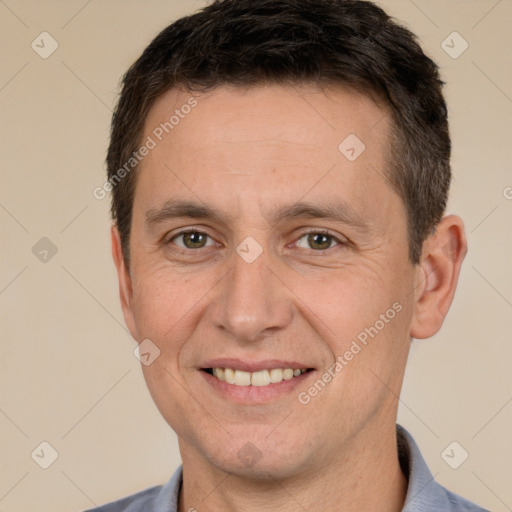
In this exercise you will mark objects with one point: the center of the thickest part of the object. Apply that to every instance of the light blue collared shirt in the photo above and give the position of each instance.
(424, 494)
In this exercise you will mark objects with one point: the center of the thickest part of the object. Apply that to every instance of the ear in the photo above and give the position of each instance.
(438, 274)
(125, 281)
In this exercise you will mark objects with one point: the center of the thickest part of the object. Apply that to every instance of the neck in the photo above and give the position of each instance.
(365, 477)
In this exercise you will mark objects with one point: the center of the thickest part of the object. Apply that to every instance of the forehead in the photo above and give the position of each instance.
(267, 142)
(286, 113)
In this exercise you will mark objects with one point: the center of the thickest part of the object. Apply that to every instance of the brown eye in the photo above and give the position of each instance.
(191, 240)
(318, 241)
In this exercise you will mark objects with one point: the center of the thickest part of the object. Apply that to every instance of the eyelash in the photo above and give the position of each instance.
(305, 233)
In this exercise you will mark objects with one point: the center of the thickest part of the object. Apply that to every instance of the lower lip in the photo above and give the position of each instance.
(255, 394)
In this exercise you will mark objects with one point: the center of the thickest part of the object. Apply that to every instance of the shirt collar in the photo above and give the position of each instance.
(422, 488)
(167, 499)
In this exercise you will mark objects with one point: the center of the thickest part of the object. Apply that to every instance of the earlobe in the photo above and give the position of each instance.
(125, 281)
(438, 274)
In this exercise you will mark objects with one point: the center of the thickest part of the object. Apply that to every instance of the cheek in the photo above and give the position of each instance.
(168, 308)
(162, 300)
(362, 314)
(342, 304)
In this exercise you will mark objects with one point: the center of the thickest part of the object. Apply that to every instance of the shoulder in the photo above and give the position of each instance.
(137, 502)
(458, 503)
(158, 498)
(424, 494)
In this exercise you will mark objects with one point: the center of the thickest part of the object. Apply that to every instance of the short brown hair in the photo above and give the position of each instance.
(351, 43)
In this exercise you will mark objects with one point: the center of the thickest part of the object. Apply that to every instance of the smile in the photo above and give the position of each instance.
(259, 378)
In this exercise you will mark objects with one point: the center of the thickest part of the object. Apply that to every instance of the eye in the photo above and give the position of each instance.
(318, 240)
(192, 240)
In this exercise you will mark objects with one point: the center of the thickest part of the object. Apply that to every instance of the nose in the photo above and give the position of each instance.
(252, 302)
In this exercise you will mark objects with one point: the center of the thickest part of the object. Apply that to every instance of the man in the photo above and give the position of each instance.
(279, 172)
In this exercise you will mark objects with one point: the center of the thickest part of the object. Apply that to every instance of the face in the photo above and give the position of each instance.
(291, 252)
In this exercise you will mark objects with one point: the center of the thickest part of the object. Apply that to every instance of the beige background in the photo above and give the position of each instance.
(68, 375)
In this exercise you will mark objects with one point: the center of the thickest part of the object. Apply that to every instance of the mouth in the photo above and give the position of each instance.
(259, 378)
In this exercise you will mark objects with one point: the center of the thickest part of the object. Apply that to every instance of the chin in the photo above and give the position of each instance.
(262, 470)
(258, 458)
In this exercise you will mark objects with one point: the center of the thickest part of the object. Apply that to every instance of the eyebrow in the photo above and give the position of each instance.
(338, 211)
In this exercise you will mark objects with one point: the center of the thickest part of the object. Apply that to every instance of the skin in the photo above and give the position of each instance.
(247, 152)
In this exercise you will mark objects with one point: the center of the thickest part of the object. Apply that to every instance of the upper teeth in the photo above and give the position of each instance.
(261, 378)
